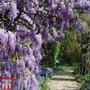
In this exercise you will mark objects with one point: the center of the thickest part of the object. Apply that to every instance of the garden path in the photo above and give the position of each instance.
(63, 80)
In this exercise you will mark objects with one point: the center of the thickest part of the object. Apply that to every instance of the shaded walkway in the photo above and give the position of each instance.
(63, 80)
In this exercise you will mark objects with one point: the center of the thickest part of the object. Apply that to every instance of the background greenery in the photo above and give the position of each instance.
(67, 52)
(70, 51)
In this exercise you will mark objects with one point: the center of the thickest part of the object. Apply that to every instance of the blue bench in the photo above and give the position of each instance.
(43, 71)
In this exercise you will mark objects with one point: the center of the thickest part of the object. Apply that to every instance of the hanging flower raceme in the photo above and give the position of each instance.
(13, 11)
(4, 6)
(11, 41)
(38, 41)
(55, 33)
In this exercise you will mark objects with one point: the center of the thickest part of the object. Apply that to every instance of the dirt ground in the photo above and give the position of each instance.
(63, 80)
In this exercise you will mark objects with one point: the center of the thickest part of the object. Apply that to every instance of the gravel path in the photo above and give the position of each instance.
(63, 80)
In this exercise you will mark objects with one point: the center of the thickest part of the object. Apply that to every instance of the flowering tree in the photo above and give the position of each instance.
(25, 26)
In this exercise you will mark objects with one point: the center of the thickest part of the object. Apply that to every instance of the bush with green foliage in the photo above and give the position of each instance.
(43, 86)
(81, 79)
(85, 86)
(51, 52)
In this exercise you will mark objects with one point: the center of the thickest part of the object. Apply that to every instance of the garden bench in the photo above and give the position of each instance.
(42, 71)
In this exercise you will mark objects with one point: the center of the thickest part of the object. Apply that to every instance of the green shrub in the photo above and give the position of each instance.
(51, 52)
(43, 86)
(50, 75)
(85, 86)
(79, 78)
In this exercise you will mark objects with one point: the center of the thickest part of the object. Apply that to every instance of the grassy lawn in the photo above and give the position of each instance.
(67, 67)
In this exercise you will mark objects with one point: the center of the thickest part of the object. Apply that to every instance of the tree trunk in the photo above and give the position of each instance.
(86, 53)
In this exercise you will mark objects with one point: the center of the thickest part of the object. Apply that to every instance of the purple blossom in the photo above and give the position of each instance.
(13, 11)
(6, 74)
(4, 6)
(11, 41)
(25, 83)
(44, 34)
(55, 33)
(38, 41)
